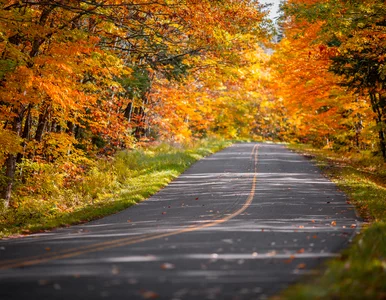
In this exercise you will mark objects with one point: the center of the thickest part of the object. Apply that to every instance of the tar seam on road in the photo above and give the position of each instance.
(17, 263)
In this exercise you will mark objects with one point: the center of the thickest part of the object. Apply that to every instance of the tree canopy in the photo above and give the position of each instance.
(86, 78)
(83, 79)
(331, 66)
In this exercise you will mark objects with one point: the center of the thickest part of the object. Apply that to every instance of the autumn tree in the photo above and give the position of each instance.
(61, 67)
(78, 76)
(353, 32)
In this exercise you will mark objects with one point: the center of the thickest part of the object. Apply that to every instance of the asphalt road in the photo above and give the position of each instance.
(241, 224)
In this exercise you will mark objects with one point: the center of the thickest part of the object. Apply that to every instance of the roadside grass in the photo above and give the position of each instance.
(360, 272)
(108, 186)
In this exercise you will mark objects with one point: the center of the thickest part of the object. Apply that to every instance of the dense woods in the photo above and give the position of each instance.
(331, 72)
(102, 103)
(81, 80)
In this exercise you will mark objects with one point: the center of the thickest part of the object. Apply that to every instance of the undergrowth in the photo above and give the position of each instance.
(360, 272)
(52, 195)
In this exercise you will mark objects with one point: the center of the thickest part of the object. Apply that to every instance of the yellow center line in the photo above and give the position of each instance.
(48, 255)
(16, 263)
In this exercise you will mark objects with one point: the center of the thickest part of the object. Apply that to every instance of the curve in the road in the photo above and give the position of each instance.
(29, 261)
(241, 224)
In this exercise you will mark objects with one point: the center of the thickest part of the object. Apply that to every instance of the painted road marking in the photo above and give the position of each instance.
(34, 260)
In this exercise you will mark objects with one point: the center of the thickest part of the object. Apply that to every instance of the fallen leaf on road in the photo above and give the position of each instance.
(353, 226)
(115, 270)
(301, 266)
(164, 212)
(167, 266)
(149, 295)
(333, 223)
(47, 249)
(291, 258)
(300, 251)
(196, 198)
(43, 282)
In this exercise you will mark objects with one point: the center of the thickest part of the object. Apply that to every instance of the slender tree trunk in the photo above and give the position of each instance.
(27, 123)
(78, 133)
(10, 165)
(42, 123)
(129, 111)
(375, 103)
(382, 143)
(70, 128)
(26, 132)
(140, 131)
(10, 162)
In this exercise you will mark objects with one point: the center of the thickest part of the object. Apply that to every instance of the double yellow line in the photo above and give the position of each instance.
(67, 253)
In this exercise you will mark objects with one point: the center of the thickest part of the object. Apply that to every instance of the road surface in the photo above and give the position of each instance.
(243, 223)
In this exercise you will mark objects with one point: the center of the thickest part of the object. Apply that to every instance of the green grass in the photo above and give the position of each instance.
(109, 185)
(360, 273)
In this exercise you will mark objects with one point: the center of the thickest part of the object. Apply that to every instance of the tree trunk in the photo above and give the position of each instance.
(27, 124)
(140, 131)
(42, 123)
(129, 111)
(382, 143)
(10, 162)
(10, 165)
(375, 104)
(70, 128)
(26, 132)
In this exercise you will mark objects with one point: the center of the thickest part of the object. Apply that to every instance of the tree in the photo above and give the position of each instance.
(353, 32)
(77, 77)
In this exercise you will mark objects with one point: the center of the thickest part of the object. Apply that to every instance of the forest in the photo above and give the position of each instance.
(103, 103)
(81, 80)
(87, 86)
(331, 62)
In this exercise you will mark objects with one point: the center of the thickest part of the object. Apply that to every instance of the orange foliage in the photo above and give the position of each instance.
(85, 78)
(318, 108)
